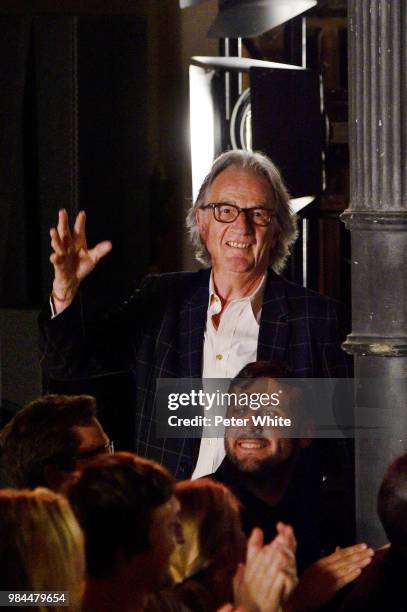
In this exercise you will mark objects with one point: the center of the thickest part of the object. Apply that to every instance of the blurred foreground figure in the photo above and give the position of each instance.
(41, 547)
(129, 516)
(206, 324)
(204, 564)
(212, 566)
(383, 586)
(49, 439)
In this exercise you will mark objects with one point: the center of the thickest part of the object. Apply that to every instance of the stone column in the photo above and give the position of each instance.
(377, 218)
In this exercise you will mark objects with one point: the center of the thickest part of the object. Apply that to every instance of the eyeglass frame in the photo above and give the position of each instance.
(239, 209)
(108, 449)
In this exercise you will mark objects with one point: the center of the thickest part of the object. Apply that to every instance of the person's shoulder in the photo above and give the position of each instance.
(296, 290)
(300, 297)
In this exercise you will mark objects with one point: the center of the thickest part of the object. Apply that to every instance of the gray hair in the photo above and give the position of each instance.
(286, 220)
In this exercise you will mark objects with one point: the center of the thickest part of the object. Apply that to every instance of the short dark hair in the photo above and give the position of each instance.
(259, 369)
(279, 371)
(41, 434)
(392, 502)
(113, 499)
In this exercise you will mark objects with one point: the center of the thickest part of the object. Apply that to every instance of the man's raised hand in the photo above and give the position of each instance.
(71, 258)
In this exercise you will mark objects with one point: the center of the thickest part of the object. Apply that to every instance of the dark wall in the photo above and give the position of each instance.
(73, 117)
(73, 134)
(112, 114)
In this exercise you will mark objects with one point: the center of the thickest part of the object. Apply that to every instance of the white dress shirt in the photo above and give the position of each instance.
(226, 351)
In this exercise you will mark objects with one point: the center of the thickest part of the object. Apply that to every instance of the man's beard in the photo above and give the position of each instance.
(269, 467)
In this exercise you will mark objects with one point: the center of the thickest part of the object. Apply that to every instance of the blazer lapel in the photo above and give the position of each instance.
(193, 315)
(274, 333)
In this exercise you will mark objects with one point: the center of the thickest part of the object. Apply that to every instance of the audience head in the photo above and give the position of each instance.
(256, 449)
(129, 515)
(392, 503)
(49, 439)
(41, 546)
(214, 542)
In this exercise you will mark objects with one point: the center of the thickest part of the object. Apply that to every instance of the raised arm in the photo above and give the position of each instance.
(71, 258)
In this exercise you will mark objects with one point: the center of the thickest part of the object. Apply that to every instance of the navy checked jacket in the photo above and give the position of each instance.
(159, 332)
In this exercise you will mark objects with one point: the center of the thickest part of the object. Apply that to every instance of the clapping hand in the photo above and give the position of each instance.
(269, 576)
(323, 579)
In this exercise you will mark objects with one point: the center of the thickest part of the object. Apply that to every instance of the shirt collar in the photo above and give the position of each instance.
(255, 298)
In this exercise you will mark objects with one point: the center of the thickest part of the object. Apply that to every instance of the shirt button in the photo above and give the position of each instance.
(219, 356)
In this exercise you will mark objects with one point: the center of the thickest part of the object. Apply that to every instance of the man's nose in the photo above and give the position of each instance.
(243, 222)
(255, 428)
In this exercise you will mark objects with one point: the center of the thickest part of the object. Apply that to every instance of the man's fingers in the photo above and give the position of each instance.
(275, 592)
(273, 560)
(254, 543)
(282, 545)
(100, 250)
(79, 228)
(264, 563)
(350, 550)
(55, 241)
(344, 554)
(350, 566)
(287, 532)
(63, 225)
(360, 559)
(347, 579)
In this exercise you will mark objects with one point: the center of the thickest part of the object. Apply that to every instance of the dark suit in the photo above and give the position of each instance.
(159, 333)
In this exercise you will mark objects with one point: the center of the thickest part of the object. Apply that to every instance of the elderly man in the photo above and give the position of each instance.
(209, 323)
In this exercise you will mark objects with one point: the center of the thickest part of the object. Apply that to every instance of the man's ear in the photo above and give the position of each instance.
(201, 221)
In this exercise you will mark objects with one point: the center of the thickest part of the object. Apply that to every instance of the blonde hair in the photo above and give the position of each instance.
(41, 546)
(210, 516)
(285, 219)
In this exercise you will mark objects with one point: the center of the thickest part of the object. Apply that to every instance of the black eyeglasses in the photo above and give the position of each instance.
(227, 213)
(107, 448)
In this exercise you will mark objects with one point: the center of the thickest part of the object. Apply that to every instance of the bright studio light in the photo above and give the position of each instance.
(202, 125)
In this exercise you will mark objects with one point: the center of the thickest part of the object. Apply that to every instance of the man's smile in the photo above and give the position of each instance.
(251, 443)
(238, 245)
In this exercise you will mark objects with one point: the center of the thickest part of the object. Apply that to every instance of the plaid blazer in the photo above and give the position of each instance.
(159, 332)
